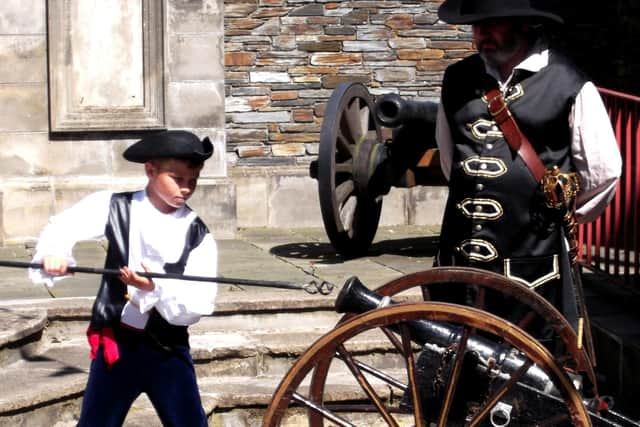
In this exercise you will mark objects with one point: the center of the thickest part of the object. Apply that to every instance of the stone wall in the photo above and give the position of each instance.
(283, 58)
(43, 172)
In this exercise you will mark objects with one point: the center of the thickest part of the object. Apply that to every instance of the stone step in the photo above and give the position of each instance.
(240, 356)
(54, 381)
(229, 401)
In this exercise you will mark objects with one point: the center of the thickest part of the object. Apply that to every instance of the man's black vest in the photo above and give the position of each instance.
(495, 217)
(110, 299)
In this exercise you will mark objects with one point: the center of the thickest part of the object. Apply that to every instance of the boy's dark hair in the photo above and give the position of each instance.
(191, 163)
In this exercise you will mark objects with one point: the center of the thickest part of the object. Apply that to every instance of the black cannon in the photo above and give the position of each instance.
(438, 363)
(367, 147)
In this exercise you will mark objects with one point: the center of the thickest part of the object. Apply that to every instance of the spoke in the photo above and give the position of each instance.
(343, 146)
(344, 132)
(498, 394)
(366, 386)
(348, 214)
(480, 299)
(453, 377)
(379, 374)
(343, 191)
(394, 340)
(426, 295)
(526, 320)
(345, 167)
(321, 410)
(364, 121)
(411, 373)
(351, 121)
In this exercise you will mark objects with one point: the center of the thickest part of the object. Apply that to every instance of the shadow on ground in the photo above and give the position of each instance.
(410, 247)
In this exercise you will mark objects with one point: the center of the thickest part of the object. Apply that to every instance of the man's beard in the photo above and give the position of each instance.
(503, 53)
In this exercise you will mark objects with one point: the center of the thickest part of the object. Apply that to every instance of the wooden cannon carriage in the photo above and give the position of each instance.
(463, 364)
(366, 148)
(435, 363)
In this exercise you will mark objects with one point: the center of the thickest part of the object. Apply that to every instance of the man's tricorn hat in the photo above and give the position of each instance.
(471, 11)
(177, 144)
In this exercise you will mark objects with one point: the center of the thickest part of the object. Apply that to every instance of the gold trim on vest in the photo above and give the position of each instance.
(488, 209)
(512, 93)
(482, 129)
(490, 167)
(552, 274)
(478, 250)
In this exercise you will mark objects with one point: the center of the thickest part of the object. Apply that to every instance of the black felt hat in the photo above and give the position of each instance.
(177, 144)
(470, 11)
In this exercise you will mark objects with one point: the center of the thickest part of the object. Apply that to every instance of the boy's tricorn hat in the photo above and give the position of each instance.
(177, 144)
(471, 11)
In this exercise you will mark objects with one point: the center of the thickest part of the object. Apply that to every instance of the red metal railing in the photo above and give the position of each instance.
(611, 243)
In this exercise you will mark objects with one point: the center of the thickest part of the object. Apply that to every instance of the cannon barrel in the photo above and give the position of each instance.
(357, 298)
(392, 110)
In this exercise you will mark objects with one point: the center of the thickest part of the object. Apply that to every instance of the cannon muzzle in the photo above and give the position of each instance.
(392, 110)
(355, 297)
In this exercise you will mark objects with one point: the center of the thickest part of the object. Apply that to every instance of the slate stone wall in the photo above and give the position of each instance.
(283, 58)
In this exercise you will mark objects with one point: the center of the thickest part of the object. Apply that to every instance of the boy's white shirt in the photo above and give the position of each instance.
(180, 302)
(594, 149)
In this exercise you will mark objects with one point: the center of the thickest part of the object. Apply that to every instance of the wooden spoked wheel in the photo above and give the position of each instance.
(388, 398)
(531, 308)
(349, 153)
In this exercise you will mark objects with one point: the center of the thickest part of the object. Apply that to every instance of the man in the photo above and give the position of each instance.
(496, 216)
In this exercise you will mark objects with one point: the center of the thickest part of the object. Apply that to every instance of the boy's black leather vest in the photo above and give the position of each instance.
(495, 217)
(110, 299)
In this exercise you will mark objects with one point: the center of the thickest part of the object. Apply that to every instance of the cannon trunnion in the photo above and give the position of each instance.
(367, 147)
(435, 363)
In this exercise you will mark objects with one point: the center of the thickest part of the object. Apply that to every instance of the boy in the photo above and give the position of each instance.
(138, 330)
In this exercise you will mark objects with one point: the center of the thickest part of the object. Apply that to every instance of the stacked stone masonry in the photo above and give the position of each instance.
(283, 59)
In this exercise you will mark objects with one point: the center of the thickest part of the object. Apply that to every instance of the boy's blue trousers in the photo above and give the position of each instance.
(167, 377)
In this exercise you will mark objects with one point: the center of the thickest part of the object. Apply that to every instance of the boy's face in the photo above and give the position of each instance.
(171, 182)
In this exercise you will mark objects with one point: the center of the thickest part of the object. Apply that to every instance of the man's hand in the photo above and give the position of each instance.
(55, 265)
(130, 277)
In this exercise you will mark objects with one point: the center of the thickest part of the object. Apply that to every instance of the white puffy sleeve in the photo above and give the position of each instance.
(86, 220)
(595, 154)
(183, 302)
